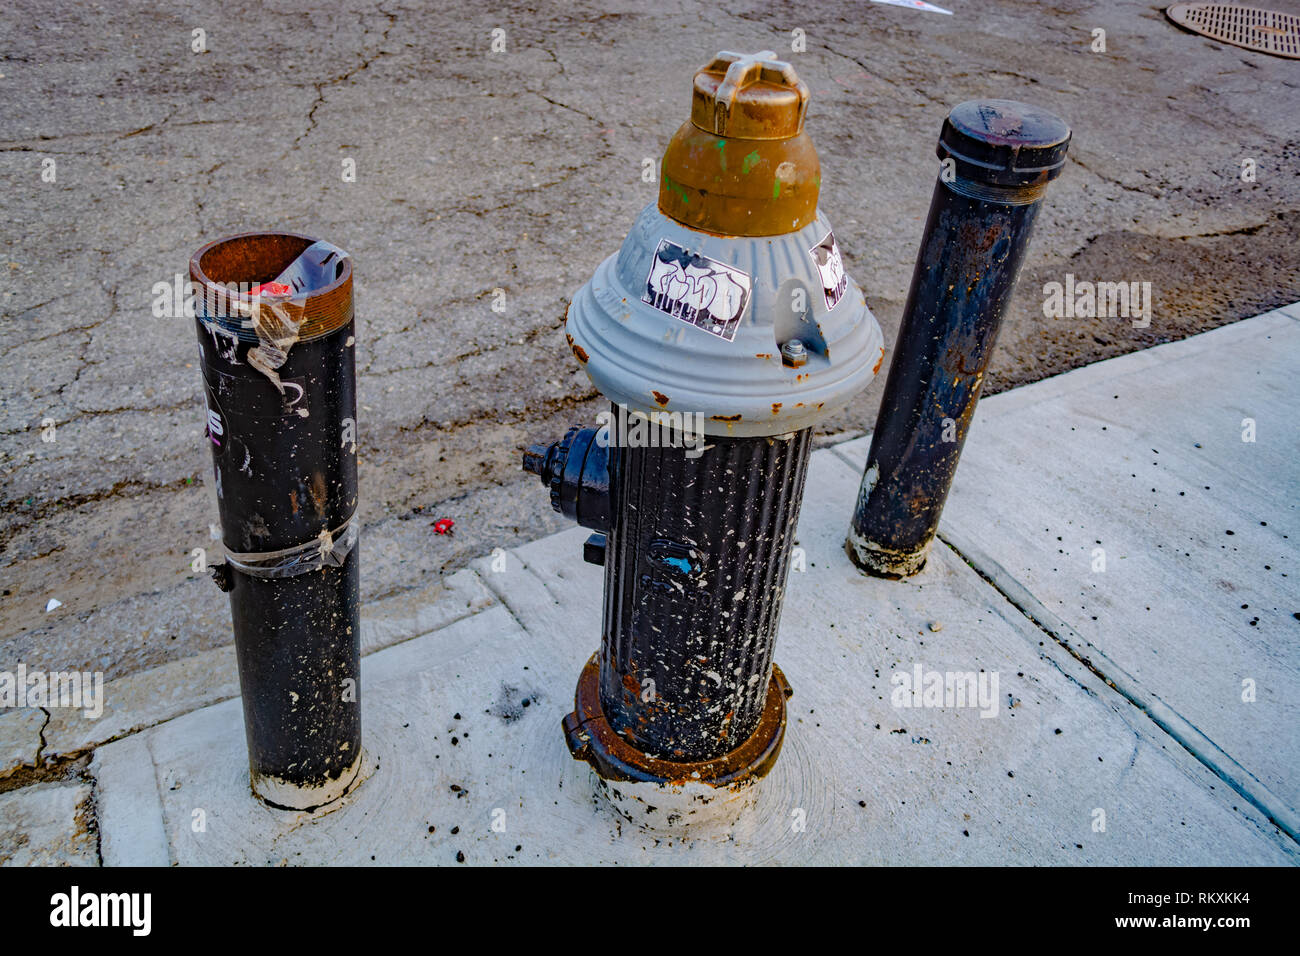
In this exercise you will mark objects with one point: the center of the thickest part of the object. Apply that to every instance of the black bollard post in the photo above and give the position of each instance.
(998, 157)
(275, 325)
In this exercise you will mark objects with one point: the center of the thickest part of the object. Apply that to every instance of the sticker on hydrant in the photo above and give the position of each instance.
(696, 289)
(831, 268)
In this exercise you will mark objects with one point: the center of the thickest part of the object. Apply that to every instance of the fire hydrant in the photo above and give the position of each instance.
(722, 331)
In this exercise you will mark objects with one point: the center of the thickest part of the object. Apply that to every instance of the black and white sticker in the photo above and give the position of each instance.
(704, 292)
(831, 268)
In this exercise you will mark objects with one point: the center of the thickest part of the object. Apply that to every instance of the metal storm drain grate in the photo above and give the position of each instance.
(1267, 31)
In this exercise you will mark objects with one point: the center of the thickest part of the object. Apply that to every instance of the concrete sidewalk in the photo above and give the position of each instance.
(1114, 552)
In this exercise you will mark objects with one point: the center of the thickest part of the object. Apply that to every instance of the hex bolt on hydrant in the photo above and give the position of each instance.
(275, 325)
(721, 332)
(997, 159)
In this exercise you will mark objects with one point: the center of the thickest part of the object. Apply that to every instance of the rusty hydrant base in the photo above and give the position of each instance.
(591, 738)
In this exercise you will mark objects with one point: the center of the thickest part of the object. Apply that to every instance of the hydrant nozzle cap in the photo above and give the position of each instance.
(749, 96)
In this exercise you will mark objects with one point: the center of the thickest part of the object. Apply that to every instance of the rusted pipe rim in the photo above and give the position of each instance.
(591, 738)
(256, 257)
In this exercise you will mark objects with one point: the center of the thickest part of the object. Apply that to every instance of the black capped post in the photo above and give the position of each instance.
(997, 159)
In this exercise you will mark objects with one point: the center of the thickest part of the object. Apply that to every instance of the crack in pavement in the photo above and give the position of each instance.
(367, 59)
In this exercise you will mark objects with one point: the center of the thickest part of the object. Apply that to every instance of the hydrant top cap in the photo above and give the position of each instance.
(749, 96)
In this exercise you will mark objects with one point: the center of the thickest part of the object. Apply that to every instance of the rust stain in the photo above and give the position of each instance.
(725, 418)
(917, 503)
(963, 359)
(318, 493)
(880, 361)
(980, 239)
(776, 408)
(660, 397)
(763, 355)
(578, 351)
(293, 500)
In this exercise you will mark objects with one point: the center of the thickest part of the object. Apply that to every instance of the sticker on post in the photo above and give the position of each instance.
(704, 292)
(831, 269)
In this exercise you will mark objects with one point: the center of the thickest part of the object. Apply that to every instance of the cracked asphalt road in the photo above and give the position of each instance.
(520, 171)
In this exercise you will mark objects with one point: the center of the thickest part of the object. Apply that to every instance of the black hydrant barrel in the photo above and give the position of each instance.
(698, 556)
(279, 376)
(997, 158)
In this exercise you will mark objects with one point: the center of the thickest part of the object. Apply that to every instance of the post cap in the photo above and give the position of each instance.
(1004, 143)
(749, 96)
